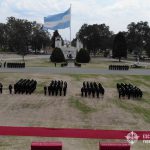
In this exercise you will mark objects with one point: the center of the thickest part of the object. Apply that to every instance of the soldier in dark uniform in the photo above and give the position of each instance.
(4, 64)
(93, 92)
(97, 92)
(64, 89)
(87, 84)
(10, 89)
(82, 90)
(49, 90)
(56, 89)
(140, 93)
(129, 92)
(55, 82)
(65, 84)
(84, 84)
(89, 91)
(45, 90)
(60, 90)
(1, 88)
(103, 91)
(120, 92)
(53, 89)
(85, 91)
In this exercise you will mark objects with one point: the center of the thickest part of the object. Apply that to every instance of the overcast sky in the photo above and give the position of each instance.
(117, 14)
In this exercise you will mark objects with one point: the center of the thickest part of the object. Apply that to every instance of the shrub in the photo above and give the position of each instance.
(57, 56)
(119, 46)
(83, 56)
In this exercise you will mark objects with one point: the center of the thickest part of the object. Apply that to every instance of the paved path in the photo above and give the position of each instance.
(76, 71)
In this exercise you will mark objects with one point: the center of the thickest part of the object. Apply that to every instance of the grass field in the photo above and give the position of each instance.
(73, 111)
(98, 62)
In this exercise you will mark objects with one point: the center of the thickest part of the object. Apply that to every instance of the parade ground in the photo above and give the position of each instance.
(72, 110)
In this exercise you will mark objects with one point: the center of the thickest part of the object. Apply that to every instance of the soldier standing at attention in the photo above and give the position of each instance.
(4, 64)
(1, 88)
(45, 90)
(82, 90)
(10, 89)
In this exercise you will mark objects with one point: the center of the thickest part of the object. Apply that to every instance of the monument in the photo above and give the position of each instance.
(68, 50)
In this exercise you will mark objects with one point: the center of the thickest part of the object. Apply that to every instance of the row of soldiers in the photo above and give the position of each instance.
(56, 88)
(118, 67)
(10, 87)
(129, 90)
(25, 86)
(15, 65)
(92, 88)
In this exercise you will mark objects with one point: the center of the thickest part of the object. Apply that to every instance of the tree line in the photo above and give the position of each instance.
(98, 38)
(17, 35)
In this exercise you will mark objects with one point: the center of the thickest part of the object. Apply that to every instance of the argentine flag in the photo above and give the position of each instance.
(58, 21)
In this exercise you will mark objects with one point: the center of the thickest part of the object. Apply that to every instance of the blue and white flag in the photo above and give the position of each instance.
(58, 21)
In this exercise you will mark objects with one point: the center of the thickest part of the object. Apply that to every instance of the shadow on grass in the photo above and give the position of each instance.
(136, 109)
(79, 77)
(84, 108)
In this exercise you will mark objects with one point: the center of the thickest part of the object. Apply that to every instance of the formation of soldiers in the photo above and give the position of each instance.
(118, 67)
(129, 90)
(25, 86)
(15, 65)
(56, 88)
(92, 88)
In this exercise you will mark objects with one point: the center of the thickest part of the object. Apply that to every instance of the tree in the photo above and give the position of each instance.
(83, 56)
(57, 56)
(19, 33)
(138, 37)
(40, 38)
(119, 46)
(147, 48)
(3, 36)
(73, 42)
(95, 37)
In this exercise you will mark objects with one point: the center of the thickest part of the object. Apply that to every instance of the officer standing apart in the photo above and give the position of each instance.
(10, 89)
(4, 64)
(1, 88)
(45, 90)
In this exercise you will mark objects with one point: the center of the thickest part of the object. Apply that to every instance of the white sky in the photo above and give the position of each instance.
(117, 14)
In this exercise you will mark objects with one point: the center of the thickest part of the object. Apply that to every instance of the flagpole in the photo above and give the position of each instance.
(70, 24)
